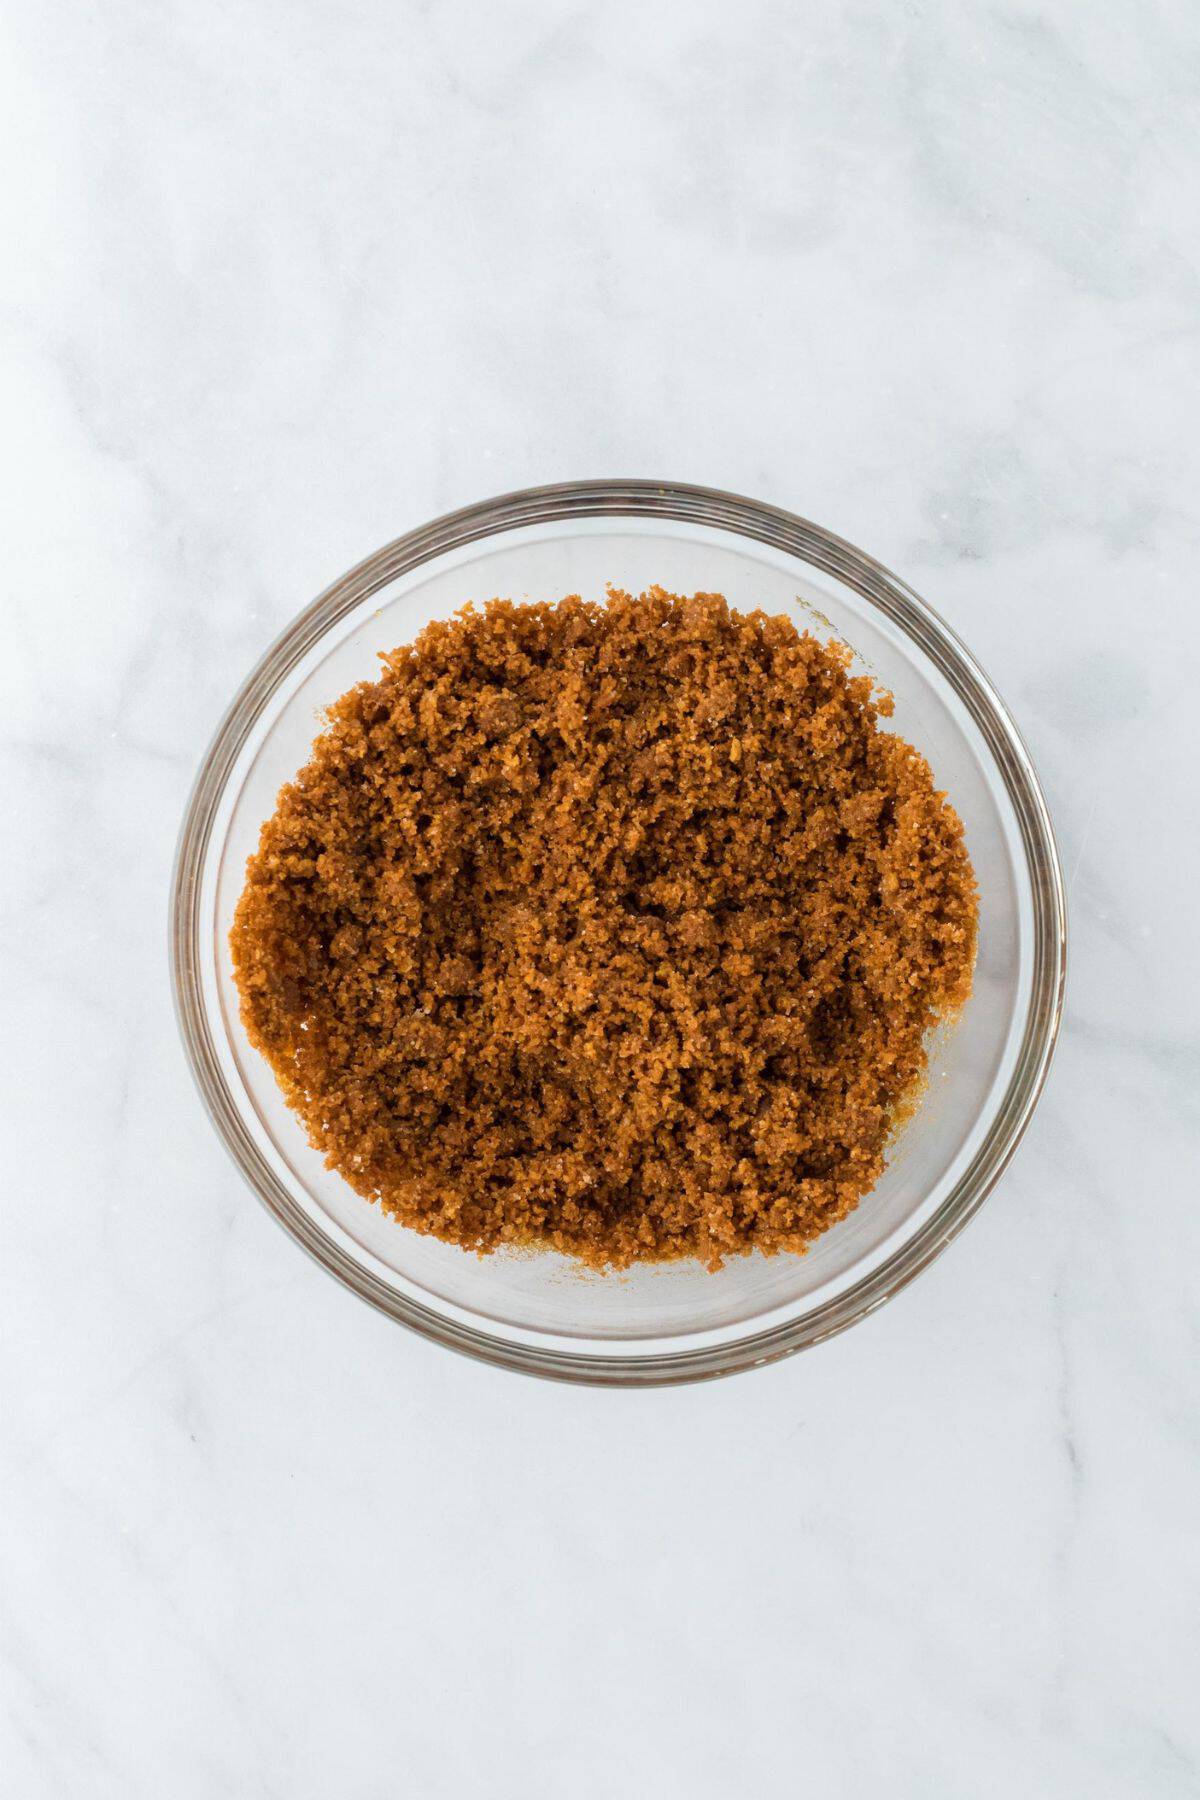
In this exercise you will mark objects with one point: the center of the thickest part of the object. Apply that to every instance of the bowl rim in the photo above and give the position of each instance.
(743, 517)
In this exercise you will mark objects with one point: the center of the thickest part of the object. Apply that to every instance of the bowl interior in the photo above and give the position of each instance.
(543, 1298)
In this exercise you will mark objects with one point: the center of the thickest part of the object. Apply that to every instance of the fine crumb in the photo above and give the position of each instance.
(613, 929)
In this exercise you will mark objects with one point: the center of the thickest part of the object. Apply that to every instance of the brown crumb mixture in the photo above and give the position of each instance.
(613, 929)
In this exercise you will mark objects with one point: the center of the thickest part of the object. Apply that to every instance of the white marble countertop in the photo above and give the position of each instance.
(283, 281)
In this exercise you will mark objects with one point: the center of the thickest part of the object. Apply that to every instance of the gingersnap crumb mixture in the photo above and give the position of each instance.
(614, 929)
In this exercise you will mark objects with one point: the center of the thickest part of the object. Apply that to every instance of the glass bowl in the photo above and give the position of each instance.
(540, 1312)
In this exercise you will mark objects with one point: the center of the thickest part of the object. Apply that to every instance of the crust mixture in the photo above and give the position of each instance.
(613, 929)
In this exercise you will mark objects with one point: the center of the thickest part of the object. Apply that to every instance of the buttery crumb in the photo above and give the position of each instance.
(612, 929)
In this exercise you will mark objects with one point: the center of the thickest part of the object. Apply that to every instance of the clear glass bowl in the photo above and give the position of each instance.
(675, 1322)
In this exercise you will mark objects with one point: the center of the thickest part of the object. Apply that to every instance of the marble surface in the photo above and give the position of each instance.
(283, 280)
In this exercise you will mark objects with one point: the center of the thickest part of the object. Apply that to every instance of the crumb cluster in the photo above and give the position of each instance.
(615, 929)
